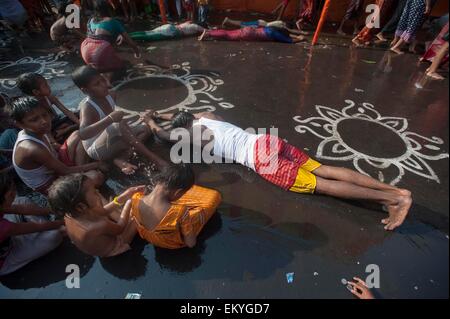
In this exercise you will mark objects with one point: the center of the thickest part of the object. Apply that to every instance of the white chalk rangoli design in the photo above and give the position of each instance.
(48, 66)
(412, 156)
(200, 88)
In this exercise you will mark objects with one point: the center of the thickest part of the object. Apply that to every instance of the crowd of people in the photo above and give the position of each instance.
(64, 155)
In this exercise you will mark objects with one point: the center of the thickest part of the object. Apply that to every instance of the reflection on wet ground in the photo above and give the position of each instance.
(260, 233)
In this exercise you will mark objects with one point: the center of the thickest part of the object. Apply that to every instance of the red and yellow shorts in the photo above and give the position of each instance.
(285, 165)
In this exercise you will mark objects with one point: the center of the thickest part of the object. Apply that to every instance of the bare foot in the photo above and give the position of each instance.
(340, 32)
(398, 51)
(381, 37)
(200, 38)
(397, 213)
(357, 43)
(125, 167)
(435, 76)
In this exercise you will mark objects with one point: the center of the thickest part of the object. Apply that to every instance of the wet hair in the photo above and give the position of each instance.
(102, 8)
(21, 106)
(28, 82)
(65, 193)
(182, 119)
(6, 182)
(82, 75)
(175, 177)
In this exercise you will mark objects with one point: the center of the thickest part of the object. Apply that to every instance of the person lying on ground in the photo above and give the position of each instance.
(253, 34)
(168, 31)
(281, 163)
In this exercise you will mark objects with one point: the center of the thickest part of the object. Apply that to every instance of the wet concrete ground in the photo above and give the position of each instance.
(260, 233)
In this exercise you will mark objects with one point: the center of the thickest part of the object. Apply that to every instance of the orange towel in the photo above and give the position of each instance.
(187, 215)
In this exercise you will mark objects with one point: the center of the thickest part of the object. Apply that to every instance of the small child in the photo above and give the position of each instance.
(34, 158)
(96, 229)
(104, 132)
(203, 10)
(175, 212)
(36, 85)
(59, 33)
(26, 233)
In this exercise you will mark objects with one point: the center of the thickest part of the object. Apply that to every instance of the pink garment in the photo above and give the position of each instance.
(434, 48)
(101, 55)
(243, 34)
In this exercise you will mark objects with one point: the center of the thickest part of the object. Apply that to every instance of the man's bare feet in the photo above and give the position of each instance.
(435, 76)
(397, 50)
(381, 37)
(397, 213)
(200, 38)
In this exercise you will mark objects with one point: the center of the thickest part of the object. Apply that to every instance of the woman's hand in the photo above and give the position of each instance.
(122, 198)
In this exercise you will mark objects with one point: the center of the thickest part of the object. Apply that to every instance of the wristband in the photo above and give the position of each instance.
(116, 201)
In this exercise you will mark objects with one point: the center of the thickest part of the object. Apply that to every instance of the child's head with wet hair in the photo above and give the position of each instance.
(33, 84)
(90, 81)
(176, 179)
(75, 195)
(182, 119)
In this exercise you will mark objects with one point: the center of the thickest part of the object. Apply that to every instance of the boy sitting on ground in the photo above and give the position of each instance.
(175, 212)
(36, 85)
(104, 132)
(96, 229)
(35, 160)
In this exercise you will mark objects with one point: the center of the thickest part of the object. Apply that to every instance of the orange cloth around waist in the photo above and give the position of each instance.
(187, 215)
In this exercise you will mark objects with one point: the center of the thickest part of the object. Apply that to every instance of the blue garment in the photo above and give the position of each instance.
(13, 11)
(250, 24)
(203, 14)
(7, 140)
(113, 26)
(277, 35)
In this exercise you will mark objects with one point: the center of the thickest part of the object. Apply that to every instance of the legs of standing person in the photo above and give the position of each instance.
(432, 70)
(391, 26)
(410, 22)
(179, 8)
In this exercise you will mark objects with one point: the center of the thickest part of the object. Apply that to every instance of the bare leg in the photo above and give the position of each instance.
(350, 176)
(397, 205)
(230, 22)
(397, 48)
(432, 70)
(381, 37)
(76, 150)
(394, 41)
(282, 10)
(340, 31)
